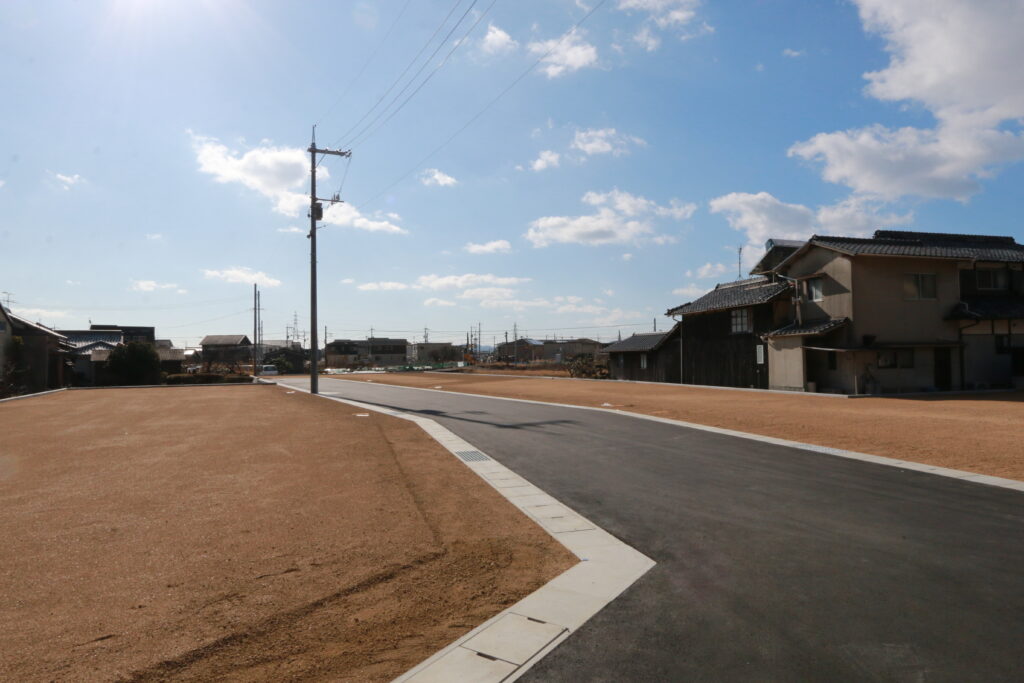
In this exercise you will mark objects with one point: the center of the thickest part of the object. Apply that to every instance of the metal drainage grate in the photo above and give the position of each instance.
(471, 456)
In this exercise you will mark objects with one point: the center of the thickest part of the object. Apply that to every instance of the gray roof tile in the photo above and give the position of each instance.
(749, 292)
(644, 341)
(927, 245)
(809, 328)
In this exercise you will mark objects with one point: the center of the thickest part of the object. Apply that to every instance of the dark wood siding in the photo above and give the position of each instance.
(713, 355)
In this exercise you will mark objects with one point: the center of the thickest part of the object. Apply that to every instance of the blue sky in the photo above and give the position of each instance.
(153, 160)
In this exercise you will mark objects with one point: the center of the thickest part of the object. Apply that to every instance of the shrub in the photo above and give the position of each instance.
(134, 363)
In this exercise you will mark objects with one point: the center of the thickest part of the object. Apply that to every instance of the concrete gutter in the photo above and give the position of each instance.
(505, 646)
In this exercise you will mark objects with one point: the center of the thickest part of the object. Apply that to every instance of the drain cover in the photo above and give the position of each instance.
(471, 456)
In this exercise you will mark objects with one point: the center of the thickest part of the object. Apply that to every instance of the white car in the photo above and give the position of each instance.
(268, 370)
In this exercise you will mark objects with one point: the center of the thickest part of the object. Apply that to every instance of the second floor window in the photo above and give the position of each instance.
(741, 320)
(919, 286)
(992, 278)
(815, 291)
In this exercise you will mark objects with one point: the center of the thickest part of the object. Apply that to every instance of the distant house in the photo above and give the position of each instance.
(45, 355)
(720, 336)
(226, 349)
(564, 350)
(639, 358)
(83, 343)
(431, 352)
(902, 311)
(6, 339)
(375, 351)
(130, 333)
(519, 350)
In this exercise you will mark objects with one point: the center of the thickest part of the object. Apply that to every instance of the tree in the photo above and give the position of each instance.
(134, 363)
(13, 374)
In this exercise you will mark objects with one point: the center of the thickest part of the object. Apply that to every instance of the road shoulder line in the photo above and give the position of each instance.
(964, 475)
(505, 646)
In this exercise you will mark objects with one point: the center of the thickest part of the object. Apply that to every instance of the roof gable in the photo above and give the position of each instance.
(738, 294)
(225, 340)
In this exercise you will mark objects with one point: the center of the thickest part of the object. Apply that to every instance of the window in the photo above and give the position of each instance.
(760, 354)
(643, 361)
(833, 361)
(897, 358)
(740, 318)
(992, 278)
(2, 326)
(919, 286)
(814, 289)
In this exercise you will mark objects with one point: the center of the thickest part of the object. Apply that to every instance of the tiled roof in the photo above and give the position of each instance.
(810, 328)
(80, 338)
(927, 245)
(645, 341)
(988, 308)
(749, 292)
(224, 340)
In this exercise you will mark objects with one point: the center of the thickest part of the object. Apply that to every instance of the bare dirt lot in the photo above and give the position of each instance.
(242, 533)
(980, 433)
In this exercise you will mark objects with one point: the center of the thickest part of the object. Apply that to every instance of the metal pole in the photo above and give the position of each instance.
(255, 307)
(314, 377)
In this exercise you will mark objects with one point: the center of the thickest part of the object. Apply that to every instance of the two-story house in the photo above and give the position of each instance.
(901, 311)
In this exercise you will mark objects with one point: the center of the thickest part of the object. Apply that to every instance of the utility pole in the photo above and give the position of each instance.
(316, 212)
(739, 263)
(255, 325)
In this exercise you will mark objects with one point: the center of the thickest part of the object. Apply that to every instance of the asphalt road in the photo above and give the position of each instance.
(774, 564)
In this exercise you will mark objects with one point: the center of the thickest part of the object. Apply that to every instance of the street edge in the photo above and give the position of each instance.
(948, 472)
(554, 611)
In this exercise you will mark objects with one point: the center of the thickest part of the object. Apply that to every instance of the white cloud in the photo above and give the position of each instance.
(759, 67)
(37, 313)
(608, 292)
(604, 141)
(278, 173)
(564, 55)
(710, 270)
(292, 230)
(154, 236)
(604, 227)
(182, 291)
(242, 275)
(274, 172)
(346, 215)
(497, 42)
(691, 291)
(488, 293)
(516, 304)
(2, 182)
(761, 217)
(73, 283)
(664, 13)
(433, 176)
(493, 247)
(790, 52)
(347, 281)
(434, 301)
(646, 39)
(627, 257)
(466, 281)
(961, 61)
(68, 181)
(633, 205)
(151, 285)
(382, 286)
(546, 159)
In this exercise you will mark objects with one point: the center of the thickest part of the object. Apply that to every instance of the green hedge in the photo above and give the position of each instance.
(208, 378)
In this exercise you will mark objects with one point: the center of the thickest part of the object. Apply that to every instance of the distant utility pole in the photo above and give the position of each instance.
(255, 324)
(316, 212)
(739, 263)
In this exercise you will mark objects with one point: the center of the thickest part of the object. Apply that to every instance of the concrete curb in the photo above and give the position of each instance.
(505, 646)
(826, 450)
(38, 393)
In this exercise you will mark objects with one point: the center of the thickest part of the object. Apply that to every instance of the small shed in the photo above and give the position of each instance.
(636, 358)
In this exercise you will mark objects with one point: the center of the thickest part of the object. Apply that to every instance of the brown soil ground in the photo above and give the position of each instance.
(521, 372)
(242, 533)
(980, 433)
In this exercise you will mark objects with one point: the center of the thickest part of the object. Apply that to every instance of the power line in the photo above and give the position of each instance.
(361, 206)
(402, 75)
(115, 309)
(365, 133)
(366, 63)
(200, 322)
